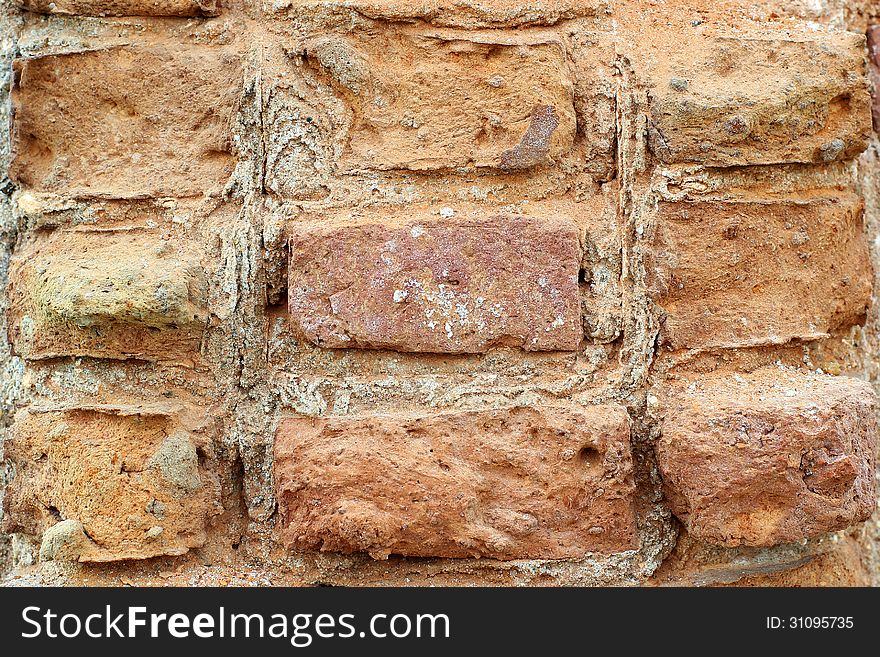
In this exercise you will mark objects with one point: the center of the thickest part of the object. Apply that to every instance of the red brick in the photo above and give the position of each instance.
(549, 483)
(454, 286)
(771, 457)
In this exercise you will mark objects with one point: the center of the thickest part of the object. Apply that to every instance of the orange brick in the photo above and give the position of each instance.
(123, 7)
(132, 483)
(728, 101)
(459, 103)
(738, 274)
(456, 13)
(125, 122)
(108, 294)
(771, 457)
(549, 483)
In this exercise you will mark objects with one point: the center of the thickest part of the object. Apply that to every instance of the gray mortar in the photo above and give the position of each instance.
(63, 541)
(177, 462)
(11, 368)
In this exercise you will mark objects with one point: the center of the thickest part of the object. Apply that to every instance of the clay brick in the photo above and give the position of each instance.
(462, 285)
(122, 7)
(452, 13)
(733, 274)
(739, 101)
(768, 458)
(459, 102)
(108, 294)
(549, 483)
(126, 121)
(874, 70)
(124, 486)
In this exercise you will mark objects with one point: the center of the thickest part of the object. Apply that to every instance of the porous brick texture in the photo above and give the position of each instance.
(471, 292)
(553, 483)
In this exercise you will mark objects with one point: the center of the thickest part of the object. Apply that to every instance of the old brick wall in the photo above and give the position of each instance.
(440, 292)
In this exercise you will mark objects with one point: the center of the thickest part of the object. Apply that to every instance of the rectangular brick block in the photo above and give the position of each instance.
(768, 458)
(125, 294)
(733, 101)
(125, 122)
(453, 101)
(549, 483)
(106, 487)
(874, 72)
(453, 13)
(735, 274)
(458, 285)
(122, 7)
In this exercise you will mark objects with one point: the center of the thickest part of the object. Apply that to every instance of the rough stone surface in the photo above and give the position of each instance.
(436, 285)
(116, 295)
(739, 274)
(63, 541)
(123, 7)
(838, 567)
(515, 483)
(832, 561)
(125, 121)
(762, 101)
(771, 457)
(110, 477)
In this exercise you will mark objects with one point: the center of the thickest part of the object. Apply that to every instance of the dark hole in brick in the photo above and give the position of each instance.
(590, 456)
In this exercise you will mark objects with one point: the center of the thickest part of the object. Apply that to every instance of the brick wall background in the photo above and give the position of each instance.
(440, 292)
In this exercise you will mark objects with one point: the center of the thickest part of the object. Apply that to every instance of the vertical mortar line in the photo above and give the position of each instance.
(253, 414)
(658, 533)
(641, 323)
(11, 370)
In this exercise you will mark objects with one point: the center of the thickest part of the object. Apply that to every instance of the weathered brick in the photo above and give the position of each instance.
(460, 102)
(874, 70)
(122, 7)
(108, 294)
(462, 285)
(771, 457)
(452, 13)
(733, 274)
(381, 213)
(547, 483)
(125, 121)
(128, 486)
(738, 101)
